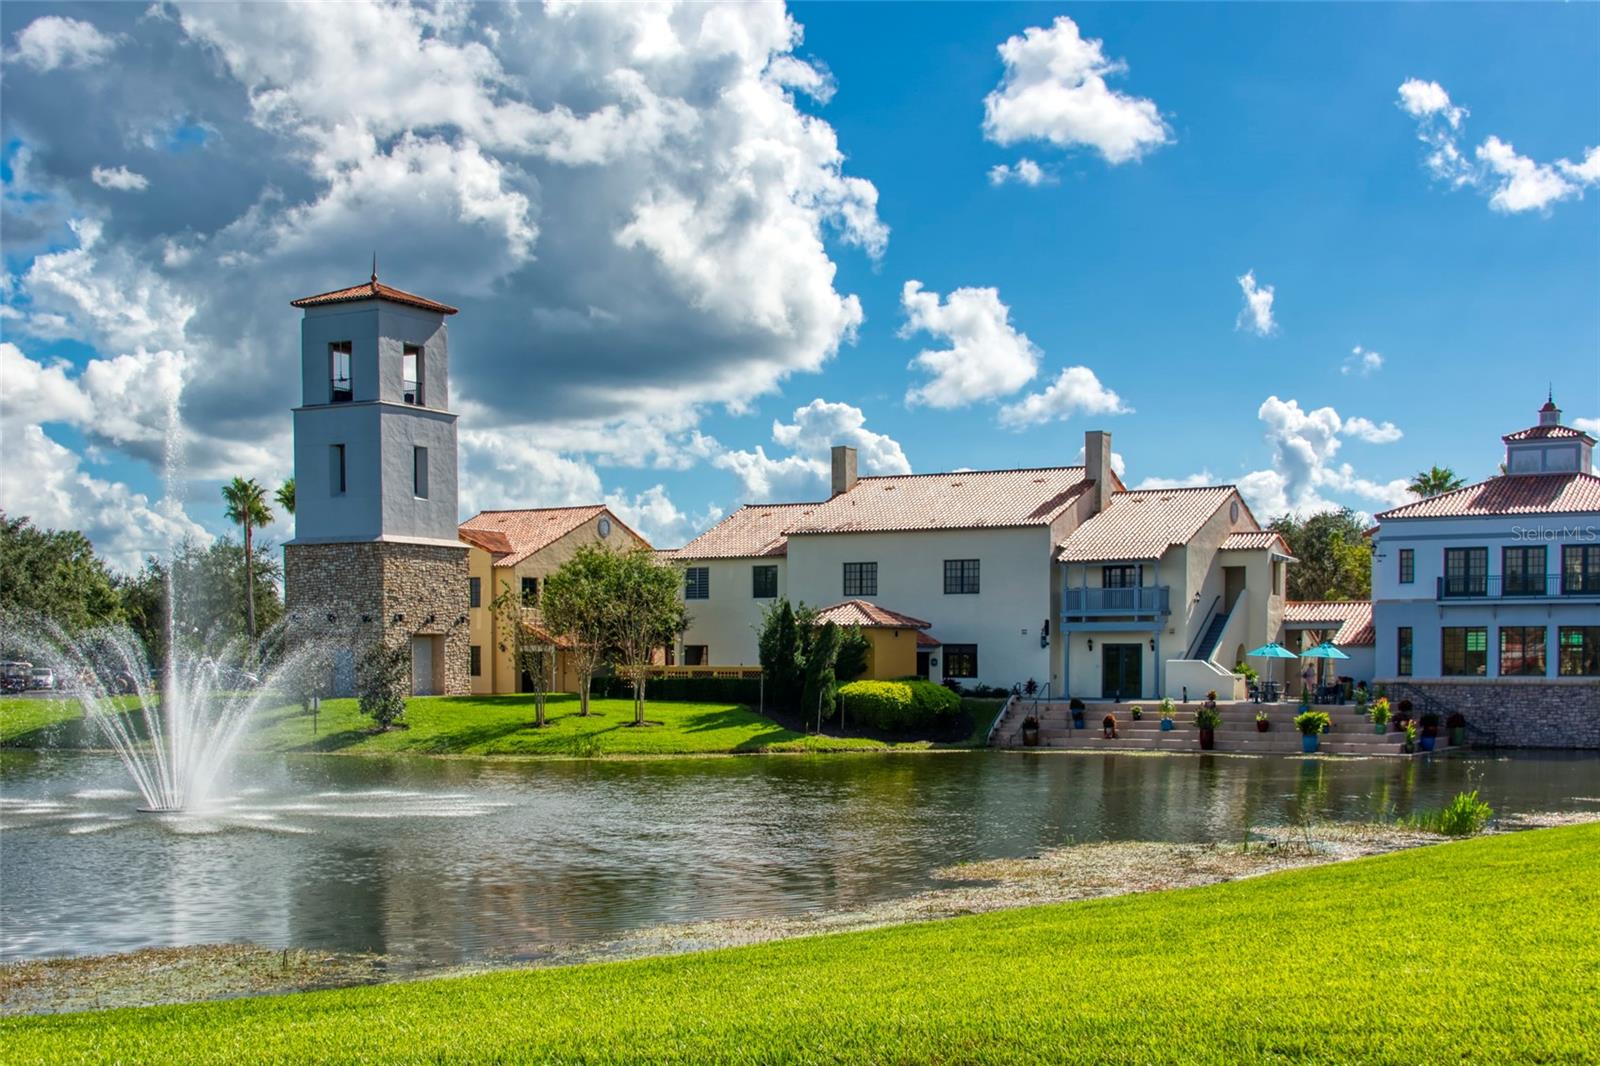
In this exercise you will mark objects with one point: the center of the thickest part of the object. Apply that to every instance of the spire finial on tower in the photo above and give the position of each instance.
(374, 266)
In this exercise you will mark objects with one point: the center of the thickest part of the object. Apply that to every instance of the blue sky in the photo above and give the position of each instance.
(680, 236)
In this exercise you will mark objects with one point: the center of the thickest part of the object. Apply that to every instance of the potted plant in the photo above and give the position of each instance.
(1076, 706)
(1410, 744)
(1457, 724)
(1311, 725)
(1207, 718)
(1362, 698)
(1030, 731)
(1136, 711)
(1401, 715)
(1430, 729)
(1262, 725)
(1166, 716)
(1379, 713)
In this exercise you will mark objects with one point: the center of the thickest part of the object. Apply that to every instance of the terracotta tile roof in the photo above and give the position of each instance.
(1509, 494)
(1261, 538)
(754, 531)
(1144, 524)
(869, 616)
(493, 541)
(976, 499)
(1352, 617)
(1548, 433)
(373, 290)
(532, 529)
(926, 640)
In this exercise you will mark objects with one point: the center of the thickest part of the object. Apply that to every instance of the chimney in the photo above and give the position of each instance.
(844, 468)
(1097, 465)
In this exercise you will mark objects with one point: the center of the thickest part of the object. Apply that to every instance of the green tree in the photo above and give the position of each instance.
(575, 605)
(247, 505)
(854, 650)
(778, 647)
(54, 573)
(1334, 560)
(1434, 481)
(644, 612)
(285, 496)
(144, 608)
(821, 686)
(530, 649)
(383, 681)
(208, 602)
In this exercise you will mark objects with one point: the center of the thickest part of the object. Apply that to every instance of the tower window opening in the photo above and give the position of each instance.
(411, 374)
(339, 372)
(419, 473)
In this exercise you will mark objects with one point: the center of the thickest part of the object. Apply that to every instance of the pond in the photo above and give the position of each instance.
(442, 861)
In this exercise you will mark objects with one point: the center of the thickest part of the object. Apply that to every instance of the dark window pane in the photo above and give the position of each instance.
(1466, 571)
(1403, 641)
(1522, 571)
(960, 576)
(474, 592)
(1464, 651)
(694, 655)
(764, 582)
(1408, 565)
(860, 579)
(530, 590)
(961, 660)
(475, 660)
(697, 583)
(1522, 651)
(1580, 569)
(1579, 654)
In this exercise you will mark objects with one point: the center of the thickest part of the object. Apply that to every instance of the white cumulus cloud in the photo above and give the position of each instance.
(987, 356)
(119, 178)
(1054, 89)
(805, 473)
(1024, 172)
(1256, 314)
(54, 41)
(1076, 390)
(1363, 361)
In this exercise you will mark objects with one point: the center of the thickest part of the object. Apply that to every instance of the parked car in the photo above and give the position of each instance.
(42, 677)
(15, 676)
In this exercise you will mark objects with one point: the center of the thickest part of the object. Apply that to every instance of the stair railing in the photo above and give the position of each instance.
(1194, 649)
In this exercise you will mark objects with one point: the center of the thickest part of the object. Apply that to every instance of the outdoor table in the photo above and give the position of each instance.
(1270, 691)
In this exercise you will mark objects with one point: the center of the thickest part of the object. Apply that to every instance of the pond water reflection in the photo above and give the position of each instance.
(451, 860)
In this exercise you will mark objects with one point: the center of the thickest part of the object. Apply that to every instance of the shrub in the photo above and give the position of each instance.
(898, 705)
(1463, 816)
(383, 681)
(687, 689)
(1310, 723)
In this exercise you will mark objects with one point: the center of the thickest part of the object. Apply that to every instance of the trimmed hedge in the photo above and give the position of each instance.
(691, 689)
(898, 705)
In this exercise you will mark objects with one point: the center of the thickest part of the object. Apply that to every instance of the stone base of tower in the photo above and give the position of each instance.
(346, 595)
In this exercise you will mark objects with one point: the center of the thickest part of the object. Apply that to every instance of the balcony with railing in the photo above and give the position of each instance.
(1477, 587)
(1083, 603)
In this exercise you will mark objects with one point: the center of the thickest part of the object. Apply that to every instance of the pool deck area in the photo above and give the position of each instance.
(1352, 732)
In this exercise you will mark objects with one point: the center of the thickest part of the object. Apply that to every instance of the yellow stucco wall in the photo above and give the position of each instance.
(893, 653)
(499, 676)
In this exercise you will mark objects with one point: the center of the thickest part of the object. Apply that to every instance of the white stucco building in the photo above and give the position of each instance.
(1047, 574)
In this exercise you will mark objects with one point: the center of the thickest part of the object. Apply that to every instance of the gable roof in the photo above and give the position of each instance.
(972, 499)
(1255, 540)
(1548, 432)
(1509, 494)
(1143, 524)
(493, 541)
(868, 615)
(529, 530)
(373, 290)
(1352, 617)
(754, 531)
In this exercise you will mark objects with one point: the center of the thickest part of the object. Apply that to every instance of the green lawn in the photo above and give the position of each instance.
(478, 725)
(1482, 951)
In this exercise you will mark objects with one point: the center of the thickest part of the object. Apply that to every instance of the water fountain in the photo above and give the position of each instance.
(176, 741)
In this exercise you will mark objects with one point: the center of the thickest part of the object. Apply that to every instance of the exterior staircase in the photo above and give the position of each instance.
(1352, 733)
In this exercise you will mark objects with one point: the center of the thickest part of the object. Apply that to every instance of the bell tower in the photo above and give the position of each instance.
(375, 552)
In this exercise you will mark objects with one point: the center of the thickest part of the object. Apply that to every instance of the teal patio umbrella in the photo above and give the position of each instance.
(1325, 650)
(1272, 650)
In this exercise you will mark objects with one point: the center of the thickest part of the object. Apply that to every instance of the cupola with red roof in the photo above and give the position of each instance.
(1549, 447)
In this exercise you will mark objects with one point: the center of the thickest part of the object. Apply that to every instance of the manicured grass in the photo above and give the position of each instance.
(1483, 951)
(478, 725)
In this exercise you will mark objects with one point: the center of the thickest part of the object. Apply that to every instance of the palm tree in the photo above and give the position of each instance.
(1435, 480)
(247, 505)
(285, 495)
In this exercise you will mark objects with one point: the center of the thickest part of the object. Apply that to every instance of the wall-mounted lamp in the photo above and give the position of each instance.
(933, 660)
(1044, 634)
(1197, 597)
(461, 621)
(1091, 644)
(398, 618)
(1152, 643)
(428, 621)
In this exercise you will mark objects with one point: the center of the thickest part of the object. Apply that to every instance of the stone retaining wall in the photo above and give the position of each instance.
(1512, 712)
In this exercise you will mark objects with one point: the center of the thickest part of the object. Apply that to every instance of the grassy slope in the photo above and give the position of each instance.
(1482, 951)
(467, 725)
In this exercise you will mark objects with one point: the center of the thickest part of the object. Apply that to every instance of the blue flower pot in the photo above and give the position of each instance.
(1309, 742)
(1427, 743)
(1077, 721)
(1166, 725)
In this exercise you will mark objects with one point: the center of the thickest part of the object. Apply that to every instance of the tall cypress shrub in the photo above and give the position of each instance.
(821, 686)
